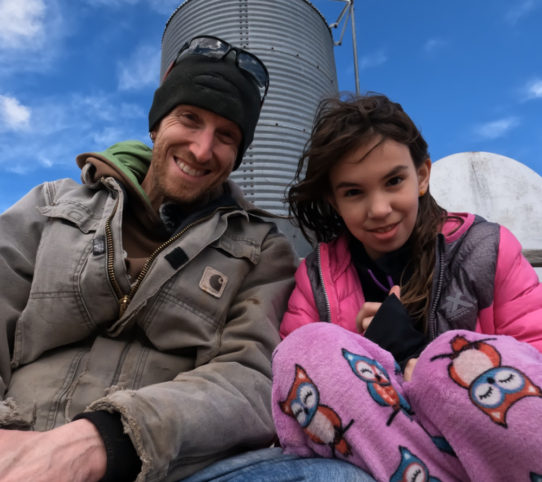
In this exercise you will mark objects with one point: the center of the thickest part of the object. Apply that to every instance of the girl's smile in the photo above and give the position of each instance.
(385, 233)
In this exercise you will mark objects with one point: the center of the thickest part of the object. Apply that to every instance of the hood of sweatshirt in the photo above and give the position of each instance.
(126, 161)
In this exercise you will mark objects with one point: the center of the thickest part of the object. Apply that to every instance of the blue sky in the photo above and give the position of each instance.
(78, 75)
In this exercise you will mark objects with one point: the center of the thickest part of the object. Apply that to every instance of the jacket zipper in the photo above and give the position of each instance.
(326, 298)
(437, 288)
(124, 299)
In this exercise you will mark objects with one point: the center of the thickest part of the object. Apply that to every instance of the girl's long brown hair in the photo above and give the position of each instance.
(340, 126)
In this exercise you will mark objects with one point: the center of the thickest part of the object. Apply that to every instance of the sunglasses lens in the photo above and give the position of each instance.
(210, 47)
(252, 65)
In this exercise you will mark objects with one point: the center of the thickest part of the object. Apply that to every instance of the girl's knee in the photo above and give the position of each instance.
(459, 364)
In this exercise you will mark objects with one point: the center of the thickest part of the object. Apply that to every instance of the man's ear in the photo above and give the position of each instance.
(152, 135)
(424, 173)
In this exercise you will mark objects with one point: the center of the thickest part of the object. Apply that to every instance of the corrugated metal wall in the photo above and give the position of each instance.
(294, 41)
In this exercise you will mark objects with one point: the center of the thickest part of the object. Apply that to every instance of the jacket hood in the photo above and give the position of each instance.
(130, 158)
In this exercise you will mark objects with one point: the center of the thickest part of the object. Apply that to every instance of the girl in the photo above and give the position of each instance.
(428, 363)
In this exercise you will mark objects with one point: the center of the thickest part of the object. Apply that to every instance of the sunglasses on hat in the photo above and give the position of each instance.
(216, 48)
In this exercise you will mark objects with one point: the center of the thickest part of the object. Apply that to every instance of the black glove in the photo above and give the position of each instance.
(392, 329)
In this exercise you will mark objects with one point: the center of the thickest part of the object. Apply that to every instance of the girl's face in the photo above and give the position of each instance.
(375, 190)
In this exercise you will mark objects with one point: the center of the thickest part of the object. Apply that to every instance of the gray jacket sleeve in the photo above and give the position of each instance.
(223, 405)
(20, 232)
(21, 228)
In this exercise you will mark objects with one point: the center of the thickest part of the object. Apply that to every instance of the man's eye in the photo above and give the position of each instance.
(188, 117)
(227, 137)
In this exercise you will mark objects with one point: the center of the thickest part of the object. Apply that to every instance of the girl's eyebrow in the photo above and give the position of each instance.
(393, 172)
(396, 170)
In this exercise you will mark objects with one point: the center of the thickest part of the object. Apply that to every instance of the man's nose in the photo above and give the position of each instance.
(202, 145)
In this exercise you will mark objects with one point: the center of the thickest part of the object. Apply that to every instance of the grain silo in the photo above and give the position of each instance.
(296, 44)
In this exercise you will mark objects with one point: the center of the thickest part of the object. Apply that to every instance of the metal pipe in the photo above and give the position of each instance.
(354, 44)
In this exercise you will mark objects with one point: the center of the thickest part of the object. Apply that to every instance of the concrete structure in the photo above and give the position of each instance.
(296, 44)
(496, 187)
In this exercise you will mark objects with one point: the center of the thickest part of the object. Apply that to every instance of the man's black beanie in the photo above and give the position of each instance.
(216, 85)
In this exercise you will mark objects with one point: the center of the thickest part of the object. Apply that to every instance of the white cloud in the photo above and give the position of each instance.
(141, 70)
(373, 60)
(434, 44)
(30, 34)
(45, 161)
(65, 125)
(520, 10)
(108, 136)
(497, 128)
(534, 89)
(21, 22)
(13, 115)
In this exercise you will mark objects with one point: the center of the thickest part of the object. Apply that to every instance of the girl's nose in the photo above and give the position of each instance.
(379, 206)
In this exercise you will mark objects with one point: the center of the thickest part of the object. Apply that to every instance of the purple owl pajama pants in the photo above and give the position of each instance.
(472, 411)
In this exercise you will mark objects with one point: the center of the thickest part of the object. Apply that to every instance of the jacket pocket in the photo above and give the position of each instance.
(190, 310)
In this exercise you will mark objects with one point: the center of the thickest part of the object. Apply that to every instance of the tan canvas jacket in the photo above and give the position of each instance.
(187, 364)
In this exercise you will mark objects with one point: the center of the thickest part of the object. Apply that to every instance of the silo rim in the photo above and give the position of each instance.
(188, 1)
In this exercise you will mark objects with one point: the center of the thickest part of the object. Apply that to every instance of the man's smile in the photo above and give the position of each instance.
(191, 171)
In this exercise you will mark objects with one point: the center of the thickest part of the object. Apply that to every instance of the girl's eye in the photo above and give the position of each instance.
(352, 192)
(394, 181)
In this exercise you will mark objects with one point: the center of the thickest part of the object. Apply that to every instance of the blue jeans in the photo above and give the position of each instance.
(271, 465)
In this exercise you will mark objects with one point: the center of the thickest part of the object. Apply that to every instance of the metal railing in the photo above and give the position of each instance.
(534, 256)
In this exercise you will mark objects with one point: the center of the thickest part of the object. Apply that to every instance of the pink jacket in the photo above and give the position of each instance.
(482, 282)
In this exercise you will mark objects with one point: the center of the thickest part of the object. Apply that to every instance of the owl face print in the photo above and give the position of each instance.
(369, 370)
(378, 383)
(493, 388)
(319, 422)
(490, 389)
(411, 469)
(303, 398)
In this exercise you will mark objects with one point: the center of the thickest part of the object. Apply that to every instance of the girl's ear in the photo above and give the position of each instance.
(424, 172)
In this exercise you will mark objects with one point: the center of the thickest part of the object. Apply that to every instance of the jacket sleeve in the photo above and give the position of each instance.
(20, 232)
(223, 404)
(517, 303)
(301, 305)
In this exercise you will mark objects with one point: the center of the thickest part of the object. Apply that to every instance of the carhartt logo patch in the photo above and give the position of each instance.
(213, 282)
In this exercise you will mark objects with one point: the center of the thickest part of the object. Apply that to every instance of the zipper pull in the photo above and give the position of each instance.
(123, 304)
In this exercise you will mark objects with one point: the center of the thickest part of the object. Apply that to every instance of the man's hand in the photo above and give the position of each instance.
(369, 309)
(73, 453)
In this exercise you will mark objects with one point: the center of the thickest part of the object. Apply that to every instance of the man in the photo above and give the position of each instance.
(140, 309)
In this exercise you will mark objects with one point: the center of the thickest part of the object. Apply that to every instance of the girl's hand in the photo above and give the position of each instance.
(369, 309)
(409, 369)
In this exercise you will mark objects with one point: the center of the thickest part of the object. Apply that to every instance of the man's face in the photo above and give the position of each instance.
(194, 153)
